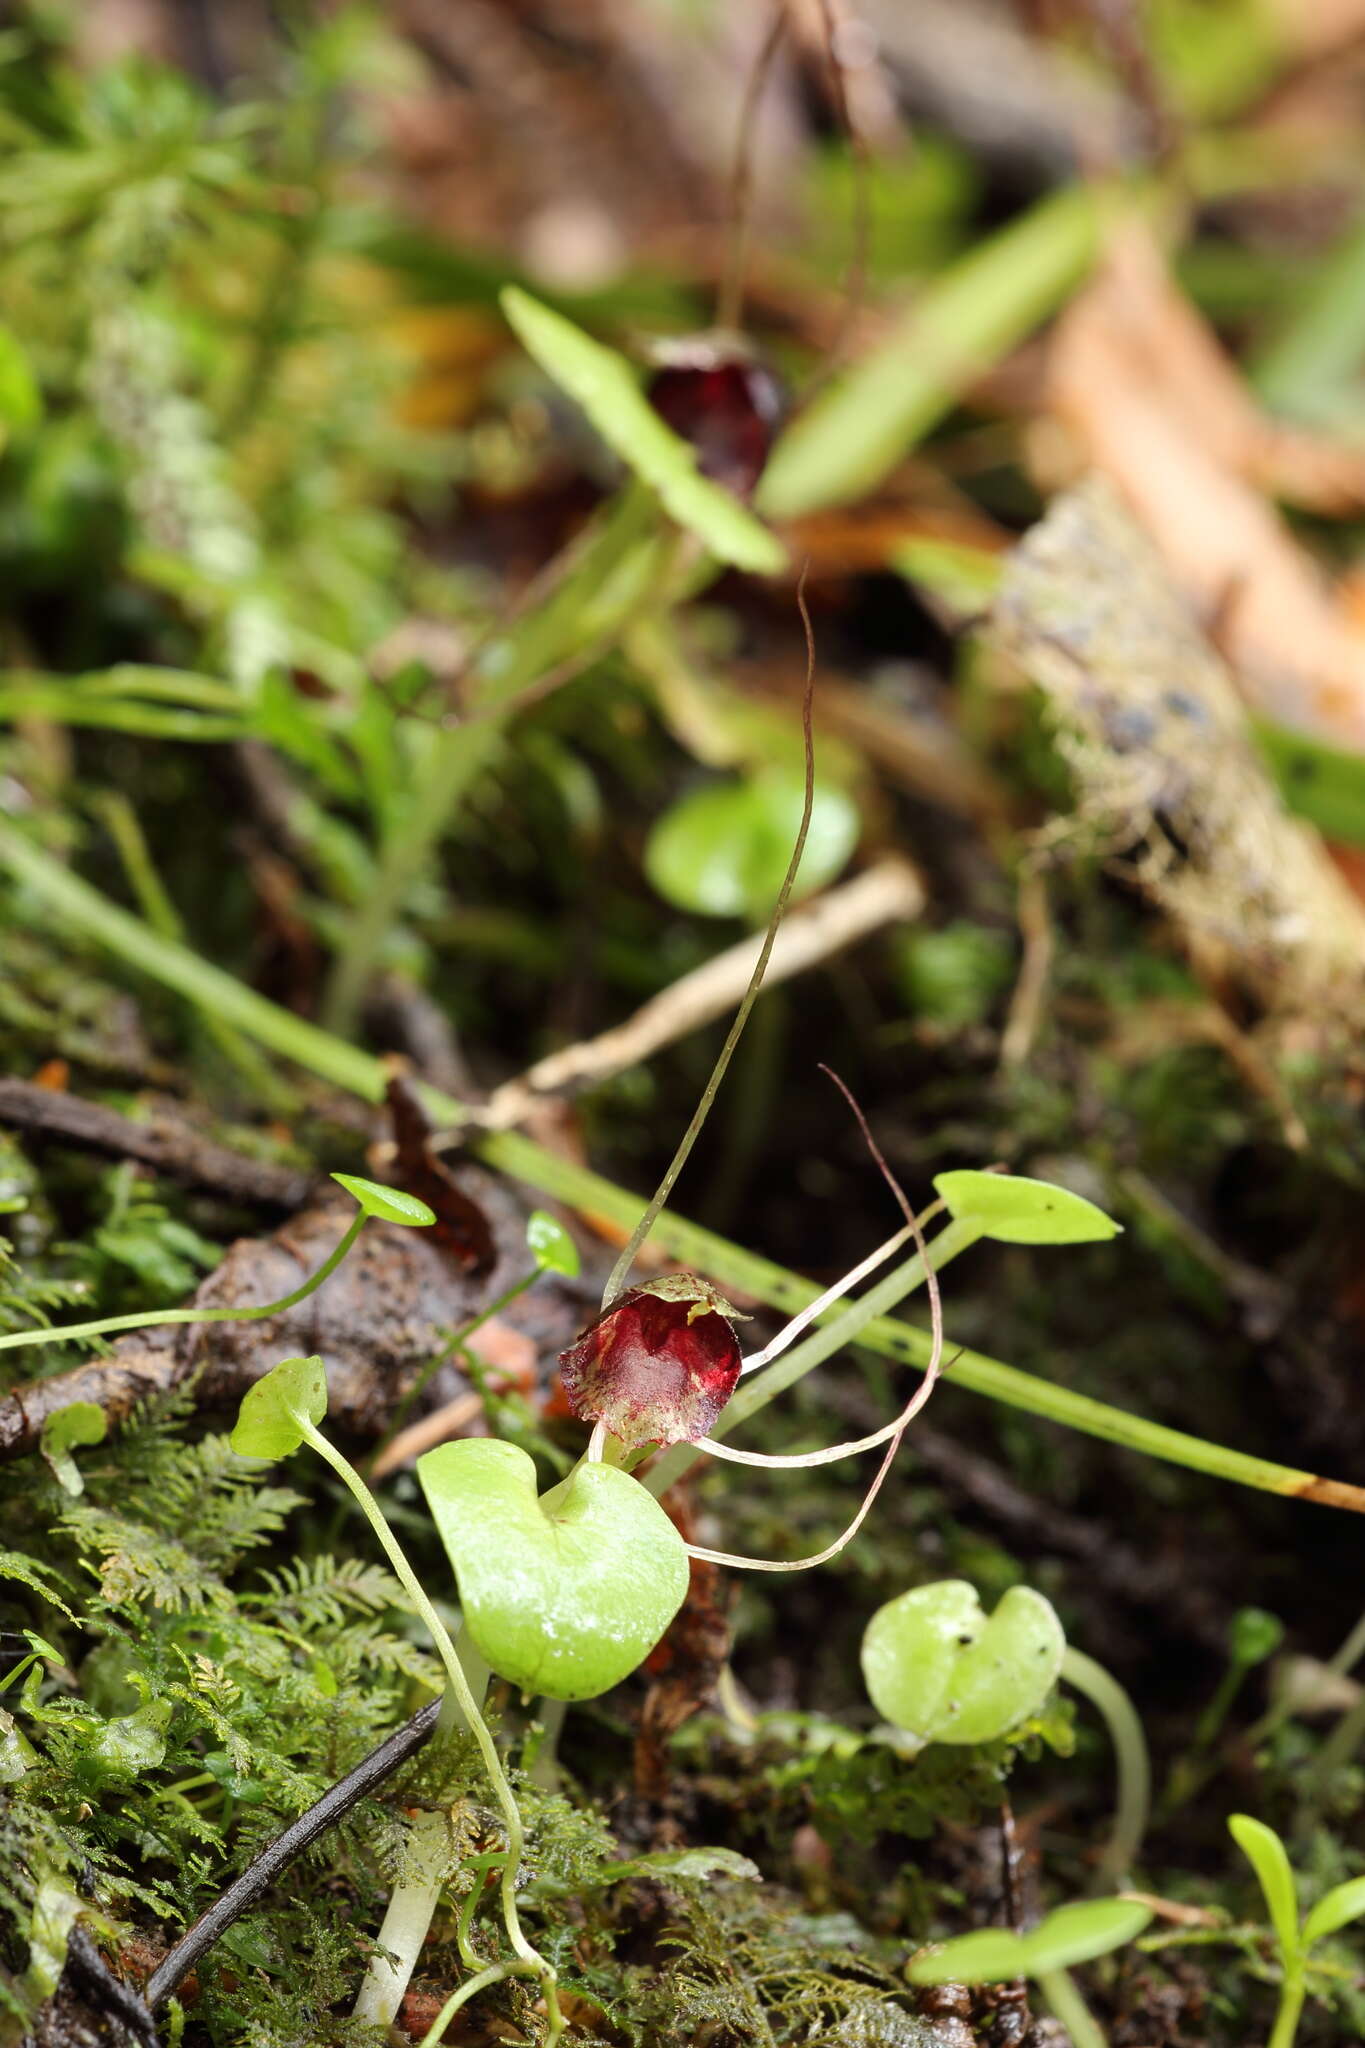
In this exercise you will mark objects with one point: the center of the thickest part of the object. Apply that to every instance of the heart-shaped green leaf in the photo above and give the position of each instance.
(271, 1417)
(723, 849)
(386, 1205)
(564, 1595)
(1021, 1211)
(935, 1665)
(550, 1244)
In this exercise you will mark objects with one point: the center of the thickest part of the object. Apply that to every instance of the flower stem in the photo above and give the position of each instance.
(1291, 2005)
(1071, 2009)
(474, 1722)
(69, 1333)
(1130, 1755)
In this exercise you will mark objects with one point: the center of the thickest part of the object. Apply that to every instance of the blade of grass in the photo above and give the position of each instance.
(346, 1066)
(853, 435)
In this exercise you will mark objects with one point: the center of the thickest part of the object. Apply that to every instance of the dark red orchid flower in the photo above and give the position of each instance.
(721, 398)
(658, 1365)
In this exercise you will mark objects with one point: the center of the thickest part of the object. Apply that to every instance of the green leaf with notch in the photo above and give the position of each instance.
(271, 1419)
(563, 1595)
(1266, 1854)
(603, 383)
(1016, 1210)
(386, 1205)
(937, 1667)
(550, 1244)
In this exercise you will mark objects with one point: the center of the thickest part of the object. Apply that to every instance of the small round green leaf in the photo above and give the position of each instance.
(1017, 1210)
(723, 850)
(386, 1205)
(935, 1666)
(550, 1244)
(271, 1418)
(82, 1422)
(564, 1595)
(1254, 1636)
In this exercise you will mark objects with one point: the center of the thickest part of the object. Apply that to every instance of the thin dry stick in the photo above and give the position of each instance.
(855, 277)
(887, 893)
(1026, 1004)
(691, 1134)
(730, 299)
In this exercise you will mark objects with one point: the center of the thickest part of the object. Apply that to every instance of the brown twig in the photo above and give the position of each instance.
(163, 1142)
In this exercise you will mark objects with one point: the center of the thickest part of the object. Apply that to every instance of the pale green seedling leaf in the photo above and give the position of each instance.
(82, 1422)
(991, 1956)
(565, 1595)
(723, 849)
(271, 1419)
(1073, 1934)
(937, 1667)
(1344, 1903)
(690, 1865)
(603, 383)
(550, 1244)
(136, 1743)
(1016, 1210)
(1266, 1854)
(17, 1754)
(1079, 1933)
(386, 1205)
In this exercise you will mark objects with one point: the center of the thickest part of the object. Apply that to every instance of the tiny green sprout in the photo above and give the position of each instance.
(1295, 1938)
(278, 1411)
(1016, 1210)
(1072, 1934)
(386, 1205)
(937, 1667)
(550, 1245)
(82, 1422)
(564, 1594)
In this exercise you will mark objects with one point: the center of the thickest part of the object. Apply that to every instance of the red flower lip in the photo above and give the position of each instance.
(658, 1365)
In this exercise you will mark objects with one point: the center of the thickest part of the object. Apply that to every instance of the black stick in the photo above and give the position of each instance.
(213, 1923)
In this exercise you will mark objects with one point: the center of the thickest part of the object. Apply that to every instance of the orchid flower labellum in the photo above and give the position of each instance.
(658, 1365)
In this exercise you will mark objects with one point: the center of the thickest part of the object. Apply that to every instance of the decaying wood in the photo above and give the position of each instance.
(163, 1141)
(887, 893)
(376, 1322)
(1168, 779)
(1149, 401)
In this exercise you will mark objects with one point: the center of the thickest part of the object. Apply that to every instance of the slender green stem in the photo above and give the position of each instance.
(1292, 1993)
(545, 1770)
(468, 1707)
(1130, 1755)
(70, 1333)
(347, 1066)
(1071, 2009)
(494, 1974)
